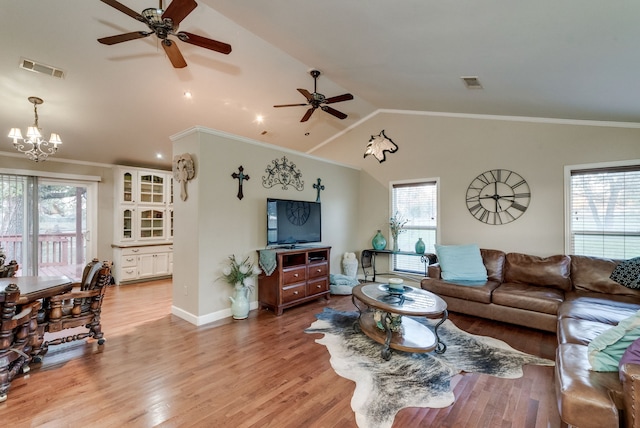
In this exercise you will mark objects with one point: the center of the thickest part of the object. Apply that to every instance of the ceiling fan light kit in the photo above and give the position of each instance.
(317, 100)
(164, 23)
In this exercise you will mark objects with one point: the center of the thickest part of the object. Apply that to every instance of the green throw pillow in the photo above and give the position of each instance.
(461, 263)
(606, 350)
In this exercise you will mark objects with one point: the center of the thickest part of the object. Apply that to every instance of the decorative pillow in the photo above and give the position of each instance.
(627, 273)
(631, 355)
(606, 350)
(461, 263)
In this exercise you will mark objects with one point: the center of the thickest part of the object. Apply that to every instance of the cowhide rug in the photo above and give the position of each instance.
(410, 379)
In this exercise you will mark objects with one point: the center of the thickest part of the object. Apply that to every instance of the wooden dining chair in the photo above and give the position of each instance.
(9, 270)
(80, 307)
(18, 332)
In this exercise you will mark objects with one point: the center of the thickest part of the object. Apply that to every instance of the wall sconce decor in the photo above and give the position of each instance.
(378, 144)
(34, 146)
(183, 171)
(283, 172)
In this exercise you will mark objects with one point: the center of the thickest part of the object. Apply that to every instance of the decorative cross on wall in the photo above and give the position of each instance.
(240, 175)
(319, 187)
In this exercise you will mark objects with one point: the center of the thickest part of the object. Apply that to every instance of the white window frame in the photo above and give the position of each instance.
(416, 181)
(567, 191)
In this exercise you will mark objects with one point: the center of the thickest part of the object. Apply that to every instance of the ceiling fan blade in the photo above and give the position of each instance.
(178, 10)
(112, 40)
(204, 42)
(124, 9)
(334, 112)
(176, 58)
(291, 105)
(308, 114)
(337, 99)
(306, 94)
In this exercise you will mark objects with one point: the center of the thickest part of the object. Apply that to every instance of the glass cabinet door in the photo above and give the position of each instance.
(152, 188)
(126, 224)
(127, 187)
(152, 224)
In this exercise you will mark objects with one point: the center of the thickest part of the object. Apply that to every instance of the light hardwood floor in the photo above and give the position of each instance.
(158, 370)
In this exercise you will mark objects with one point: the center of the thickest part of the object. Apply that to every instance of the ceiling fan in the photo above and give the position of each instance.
(164, 23)
(317, 100)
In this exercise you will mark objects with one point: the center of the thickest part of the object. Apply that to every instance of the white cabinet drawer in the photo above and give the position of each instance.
(128, 261)
(128, 273)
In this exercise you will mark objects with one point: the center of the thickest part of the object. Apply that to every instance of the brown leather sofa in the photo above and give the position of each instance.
(572, 296)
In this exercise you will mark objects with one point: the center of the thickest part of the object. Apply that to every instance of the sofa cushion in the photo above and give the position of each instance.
(461, 262)
(494, 262)
(630, 356)
(627, 273)
(524, 296)
(474, 291)
(597, 309)
(572, 330)
(551, 271)
(605, 351)
(593, 274)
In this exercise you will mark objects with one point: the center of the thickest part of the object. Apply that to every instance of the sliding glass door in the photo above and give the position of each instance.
(46, 224)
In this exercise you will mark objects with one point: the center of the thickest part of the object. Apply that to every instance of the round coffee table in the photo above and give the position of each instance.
(381, 309)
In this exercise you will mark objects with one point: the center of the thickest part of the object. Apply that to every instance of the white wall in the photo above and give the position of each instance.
(213, 223)
(456, 149)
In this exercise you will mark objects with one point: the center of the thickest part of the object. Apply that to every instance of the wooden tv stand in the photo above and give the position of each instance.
(301, 275)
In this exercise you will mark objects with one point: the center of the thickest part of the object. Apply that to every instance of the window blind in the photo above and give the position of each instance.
(416, 202)
(605, 212)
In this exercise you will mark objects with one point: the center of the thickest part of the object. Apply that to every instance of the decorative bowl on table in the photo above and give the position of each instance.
(396, 284)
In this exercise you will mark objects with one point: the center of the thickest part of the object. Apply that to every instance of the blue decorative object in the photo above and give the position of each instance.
(420, 247)
(379, 242)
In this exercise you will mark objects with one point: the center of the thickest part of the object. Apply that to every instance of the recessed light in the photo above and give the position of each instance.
(471, 82)
(259, 118)
(188, 95)
(159, 155)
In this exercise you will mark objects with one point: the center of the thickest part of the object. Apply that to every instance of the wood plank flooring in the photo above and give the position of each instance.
(158, 370)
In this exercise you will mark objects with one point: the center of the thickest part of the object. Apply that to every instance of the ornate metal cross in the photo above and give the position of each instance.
(240, 175)
(319, 187)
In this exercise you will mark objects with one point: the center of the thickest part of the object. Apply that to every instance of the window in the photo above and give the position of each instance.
(416, 201)
(605, 211)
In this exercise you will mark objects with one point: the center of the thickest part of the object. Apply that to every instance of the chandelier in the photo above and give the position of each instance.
(34, 146)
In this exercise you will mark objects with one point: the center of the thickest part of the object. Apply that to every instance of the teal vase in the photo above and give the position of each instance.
(378, 241)
(420, 247)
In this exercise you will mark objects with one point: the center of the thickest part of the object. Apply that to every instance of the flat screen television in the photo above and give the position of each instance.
(291, 222)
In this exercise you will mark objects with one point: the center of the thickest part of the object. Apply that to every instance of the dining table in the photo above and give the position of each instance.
(34, 288)
(38, 287)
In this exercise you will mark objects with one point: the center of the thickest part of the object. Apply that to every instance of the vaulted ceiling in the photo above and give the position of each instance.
(575, 59)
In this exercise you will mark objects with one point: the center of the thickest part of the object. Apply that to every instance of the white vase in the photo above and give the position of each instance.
(240, 302)
(350, 267)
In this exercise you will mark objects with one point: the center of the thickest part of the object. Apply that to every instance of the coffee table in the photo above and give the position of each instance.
(381, 308)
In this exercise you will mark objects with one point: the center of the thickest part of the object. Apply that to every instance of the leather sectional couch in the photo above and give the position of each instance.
(572, 296)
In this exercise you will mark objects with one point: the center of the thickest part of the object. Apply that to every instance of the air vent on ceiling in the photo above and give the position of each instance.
(471, 82)
(37, 67)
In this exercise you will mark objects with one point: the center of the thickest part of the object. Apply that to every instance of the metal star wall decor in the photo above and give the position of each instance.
(378, 144)
(283, 172)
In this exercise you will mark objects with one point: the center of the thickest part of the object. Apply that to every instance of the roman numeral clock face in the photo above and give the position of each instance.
(498, 196)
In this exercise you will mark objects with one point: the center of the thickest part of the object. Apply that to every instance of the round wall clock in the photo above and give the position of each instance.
(498, 196)
(298, 212)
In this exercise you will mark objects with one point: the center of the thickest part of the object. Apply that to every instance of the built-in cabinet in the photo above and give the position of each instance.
(301, 275)
(143, 225)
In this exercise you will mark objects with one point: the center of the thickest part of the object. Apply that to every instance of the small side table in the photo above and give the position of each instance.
(368, 260)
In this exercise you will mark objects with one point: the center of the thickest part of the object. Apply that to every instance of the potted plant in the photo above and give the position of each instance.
(236, 274)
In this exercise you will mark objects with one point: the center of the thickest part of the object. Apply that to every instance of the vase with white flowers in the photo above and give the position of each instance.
(396, 224)
(241, 276)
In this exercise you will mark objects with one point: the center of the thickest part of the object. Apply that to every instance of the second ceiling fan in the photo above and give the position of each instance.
(317, 100)
(164, 23)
